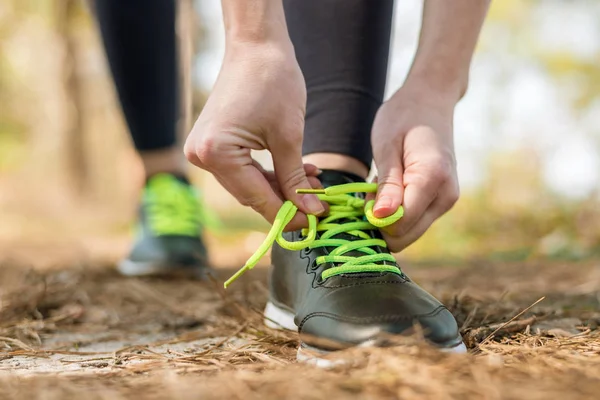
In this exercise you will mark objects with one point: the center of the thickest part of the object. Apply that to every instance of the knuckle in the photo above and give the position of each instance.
(390, 180)
(293, 180)
(296, 121)
(258, 204)
(189, 151)
(442, 170)
(394, 243)
(206, 152)
(439, 173)
(452, 196)
(292, 138)
(383, 149)
(396, 232)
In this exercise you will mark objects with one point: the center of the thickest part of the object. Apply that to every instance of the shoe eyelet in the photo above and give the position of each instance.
(305, 252)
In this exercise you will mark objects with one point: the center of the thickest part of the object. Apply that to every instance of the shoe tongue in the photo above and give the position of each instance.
(166, 176)
(330, 177)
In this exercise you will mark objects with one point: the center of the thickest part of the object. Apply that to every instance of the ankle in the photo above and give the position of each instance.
(338, 162)
(168, 160)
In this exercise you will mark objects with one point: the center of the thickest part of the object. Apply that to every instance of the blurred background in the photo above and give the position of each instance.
(527, 136)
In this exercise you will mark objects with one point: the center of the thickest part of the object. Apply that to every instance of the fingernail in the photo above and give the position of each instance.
(313, 204)
(383, 202)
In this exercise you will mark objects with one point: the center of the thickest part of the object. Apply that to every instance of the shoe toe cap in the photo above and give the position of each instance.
(353, 318)
(440, 328)
(332, 332)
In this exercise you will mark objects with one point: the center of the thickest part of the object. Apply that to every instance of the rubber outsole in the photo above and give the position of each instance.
(152, 269)
(279, 318)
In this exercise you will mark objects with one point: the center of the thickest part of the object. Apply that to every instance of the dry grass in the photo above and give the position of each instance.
(86, 330)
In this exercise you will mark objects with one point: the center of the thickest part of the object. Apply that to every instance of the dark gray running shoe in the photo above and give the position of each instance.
(345, 289)
(168, 240)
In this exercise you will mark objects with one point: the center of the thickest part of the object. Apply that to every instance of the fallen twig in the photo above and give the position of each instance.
(510, 320)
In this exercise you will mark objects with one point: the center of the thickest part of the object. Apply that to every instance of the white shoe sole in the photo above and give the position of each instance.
(140, 269)
(278, 318)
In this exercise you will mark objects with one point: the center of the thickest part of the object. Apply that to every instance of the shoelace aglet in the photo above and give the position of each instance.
(310, 191)
(235, 276)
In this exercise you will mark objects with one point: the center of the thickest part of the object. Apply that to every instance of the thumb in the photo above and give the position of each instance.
(390, 190)
(291, 175)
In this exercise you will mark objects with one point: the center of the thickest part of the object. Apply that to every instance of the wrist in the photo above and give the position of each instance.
(254, 21)
(240, 33)
(267, 54)
(440, 83)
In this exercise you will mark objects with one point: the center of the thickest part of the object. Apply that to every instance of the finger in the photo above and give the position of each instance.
(309, 169)
(390, 190)
(419, 194)
(371, 196)
(290, 173)
(312, 170)
(396, 244)
(315, 183)
(269, 176)
(437, 208)
(300, 221)
(250, 187)
(311, 173)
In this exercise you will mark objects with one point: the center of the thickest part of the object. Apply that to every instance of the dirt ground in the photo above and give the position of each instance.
(82, 330)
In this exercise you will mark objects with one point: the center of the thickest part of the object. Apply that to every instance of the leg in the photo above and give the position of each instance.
(342, 47)
(346, 288)
(139, 37)
(140, 41)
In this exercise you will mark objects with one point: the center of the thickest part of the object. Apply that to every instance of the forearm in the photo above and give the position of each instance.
(254, 21)
(449, 34)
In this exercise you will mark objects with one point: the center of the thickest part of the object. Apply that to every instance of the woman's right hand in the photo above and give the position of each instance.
(258, 102)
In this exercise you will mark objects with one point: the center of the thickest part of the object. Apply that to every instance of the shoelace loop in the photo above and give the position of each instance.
(342, 206)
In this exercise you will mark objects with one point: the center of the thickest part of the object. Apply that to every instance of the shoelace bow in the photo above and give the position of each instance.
(172, 209)
(358, 216)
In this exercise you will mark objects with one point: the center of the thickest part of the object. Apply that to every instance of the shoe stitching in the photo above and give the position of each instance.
(367, 283)
(366, 320)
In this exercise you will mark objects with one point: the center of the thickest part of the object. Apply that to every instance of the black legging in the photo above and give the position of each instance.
(139, 37)
(342, 47)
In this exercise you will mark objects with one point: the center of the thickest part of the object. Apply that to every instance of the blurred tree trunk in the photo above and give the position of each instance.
(66, 12)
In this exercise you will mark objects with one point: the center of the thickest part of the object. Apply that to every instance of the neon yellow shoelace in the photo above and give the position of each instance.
(172, 207)
(358, 217)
